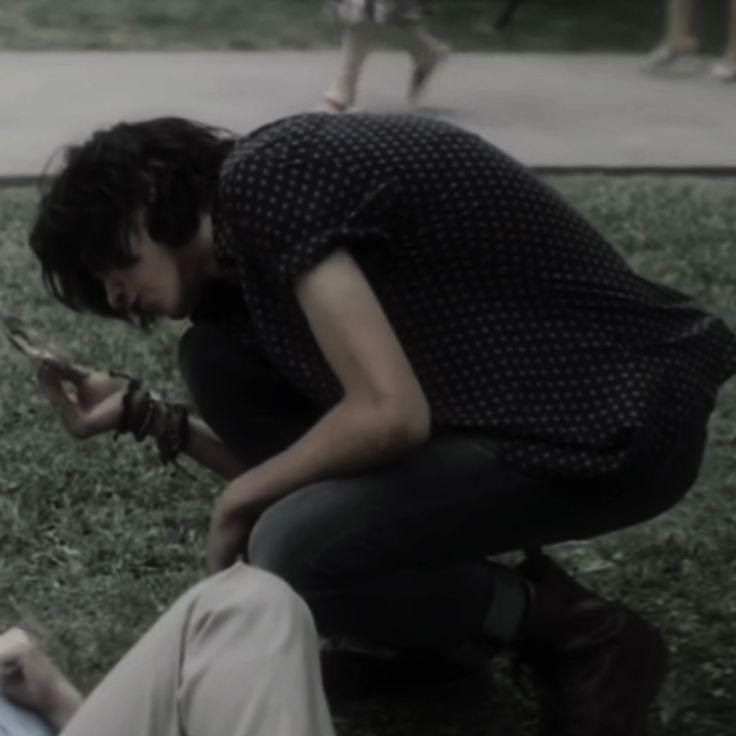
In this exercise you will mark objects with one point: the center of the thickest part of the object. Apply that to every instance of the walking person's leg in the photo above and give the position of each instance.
(356, 46)
(427, 53)
(237, 654)
(725, 70)
(679, 36)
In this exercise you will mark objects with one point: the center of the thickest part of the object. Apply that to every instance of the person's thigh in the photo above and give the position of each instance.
(217, 663)
(16, 721)
(140, 694)
(448, 501)
(452, 500)
(251, 664)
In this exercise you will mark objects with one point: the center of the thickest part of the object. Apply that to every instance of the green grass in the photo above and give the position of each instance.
(97, 539)
(540, 25)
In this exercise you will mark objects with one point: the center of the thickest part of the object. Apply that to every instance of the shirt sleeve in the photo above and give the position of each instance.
(293, 209)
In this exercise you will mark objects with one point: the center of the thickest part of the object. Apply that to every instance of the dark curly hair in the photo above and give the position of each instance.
(167, 166)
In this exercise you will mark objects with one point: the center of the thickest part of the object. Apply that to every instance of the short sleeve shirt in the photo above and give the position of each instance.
(518, 318)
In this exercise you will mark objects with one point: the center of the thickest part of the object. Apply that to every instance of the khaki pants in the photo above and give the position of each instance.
(235, 656)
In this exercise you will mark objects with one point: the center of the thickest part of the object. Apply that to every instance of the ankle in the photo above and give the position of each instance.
(682, 44)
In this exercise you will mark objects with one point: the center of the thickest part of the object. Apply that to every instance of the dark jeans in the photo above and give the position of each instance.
(398, 554)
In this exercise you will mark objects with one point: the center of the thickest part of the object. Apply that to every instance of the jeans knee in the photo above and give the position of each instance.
(272, 546)
(290, 541)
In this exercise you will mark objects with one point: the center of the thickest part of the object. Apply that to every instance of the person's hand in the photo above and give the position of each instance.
(91, 387)
(87, 402)
(30, 679)
(232, 522)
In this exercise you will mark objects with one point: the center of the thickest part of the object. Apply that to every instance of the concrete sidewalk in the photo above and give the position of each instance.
(547, 110)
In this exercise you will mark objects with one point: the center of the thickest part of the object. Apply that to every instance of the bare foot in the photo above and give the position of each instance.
(29, 678)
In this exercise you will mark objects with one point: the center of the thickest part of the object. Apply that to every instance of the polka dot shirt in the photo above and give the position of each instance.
(518, 318)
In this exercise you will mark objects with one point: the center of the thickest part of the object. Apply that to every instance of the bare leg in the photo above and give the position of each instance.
(355, 49)
(731, 49)
(427, 53)
(725, 70)
(680, 25)
(236, 654)
(679, 33)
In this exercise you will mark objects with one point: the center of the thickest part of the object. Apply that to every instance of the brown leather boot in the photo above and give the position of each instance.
(600, 664)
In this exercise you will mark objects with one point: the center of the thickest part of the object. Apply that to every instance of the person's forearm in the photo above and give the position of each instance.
(349, 438)
(203, 444)
(66, 702)
(209, 450)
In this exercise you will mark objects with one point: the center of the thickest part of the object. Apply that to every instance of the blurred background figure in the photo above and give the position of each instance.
(681, 39)
(361, 19)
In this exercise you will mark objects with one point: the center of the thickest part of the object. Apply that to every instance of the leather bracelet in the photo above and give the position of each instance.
(174, 434)
(144, 416)
(140, 408)
(125, 416)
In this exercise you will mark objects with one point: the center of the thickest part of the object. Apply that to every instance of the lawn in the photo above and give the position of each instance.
(540, 25)
(97, 539)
